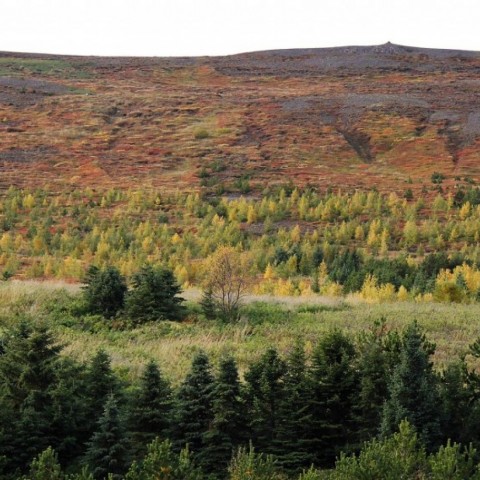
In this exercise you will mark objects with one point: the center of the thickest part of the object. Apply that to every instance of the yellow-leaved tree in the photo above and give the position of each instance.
(226, 283)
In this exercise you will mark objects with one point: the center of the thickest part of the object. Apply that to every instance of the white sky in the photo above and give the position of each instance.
(218, 27)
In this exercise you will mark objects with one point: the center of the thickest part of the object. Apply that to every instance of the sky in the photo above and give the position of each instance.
(221, 27)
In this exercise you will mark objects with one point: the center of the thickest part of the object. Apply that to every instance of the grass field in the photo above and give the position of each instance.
(263, 325)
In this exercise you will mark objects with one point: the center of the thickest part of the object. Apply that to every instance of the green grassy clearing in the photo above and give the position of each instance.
(451, 327)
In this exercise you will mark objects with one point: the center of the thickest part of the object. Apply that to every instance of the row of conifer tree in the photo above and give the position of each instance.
(303, 408)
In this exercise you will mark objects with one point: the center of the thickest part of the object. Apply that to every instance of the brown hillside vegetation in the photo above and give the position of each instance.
(343, 117)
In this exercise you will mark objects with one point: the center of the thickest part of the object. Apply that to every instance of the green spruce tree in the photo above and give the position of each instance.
(334, 393)
(414, 390)
(264, 395)
(46, 466)
(154, 296)
(194, 409)
(100, 383)
(162, 463)
(227, 430)
(104, 291)
(107, 451)
(294, 413)
(151, 408)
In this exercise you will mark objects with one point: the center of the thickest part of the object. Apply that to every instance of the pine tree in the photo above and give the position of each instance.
(376, 354)
(194, 413)
(227, 429)
(154, 296)
(162, 463)
(105, 290)
(46, 466)
(400, 456)
(249, 465)
(28, 364)
(461, 409)
(107, 450)
(151, 408)
(208, 304)
(28, 374)
(295, 416)
(69, 411)
(414, 390)
(100, 383)
(264, 395)
(334, 388)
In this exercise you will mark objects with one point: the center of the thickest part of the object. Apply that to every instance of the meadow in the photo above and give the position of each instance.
(264, 323)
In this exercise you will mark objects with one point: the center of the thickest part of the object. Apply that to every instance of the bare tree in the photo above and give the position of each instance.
(226, 283)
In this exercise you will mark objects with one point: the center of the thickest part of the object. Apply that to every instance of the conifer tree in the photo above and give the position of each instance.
(107, 449)
(154, 296)
(227, 429)
(334, 388)
(28, 364)
(208, 304)
(194, 412)
(100, 383)
(414, 390)
(375, 351)
(105, 291)
(294, 413)
(264, 395)
(151, 408)
(162, 463)
(46, 466)
(249, 465)
(28, 374)
(461, 409)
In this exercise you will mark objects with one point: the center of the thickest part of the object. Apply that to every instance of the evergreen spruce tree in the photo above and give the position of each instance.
(377, 355)
(32, 432)
(28, 364)
(69, 411)
(414, 390)
(294, 413)
(154, 296)
(100, 383)
(194, 411)
(104, 291)
(265, 392)
(460, 408)
(107, 450)
(334, 390)
(208, 304)
(162, 463)
(46, 466)
(227, 429)
(28, 374)
(151, 408)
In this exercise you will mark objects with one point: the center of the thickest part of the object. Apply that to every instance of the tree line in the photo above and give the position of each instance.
(291, 238)
(333, 410)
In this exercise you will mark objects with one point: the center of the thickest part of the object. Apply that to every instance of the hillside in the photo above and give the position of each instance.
(340, 117)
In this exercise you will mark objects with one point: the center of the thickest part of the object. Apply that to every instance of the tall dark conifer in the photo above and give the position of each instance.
(265, 391)
(100, 383)
(294, 413)
(194, 410)
(227, 429)
(107, 450)
(334, 388)
(28, 374)
(151, 408)
(414, 390)
(378, 353)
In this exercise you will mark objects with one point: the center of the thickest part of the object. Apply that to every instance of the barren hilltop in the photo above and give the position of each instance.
(349, 117)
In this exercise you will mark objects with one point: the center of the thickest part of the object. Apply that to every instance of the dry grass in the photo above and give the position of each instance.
(277, 323)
